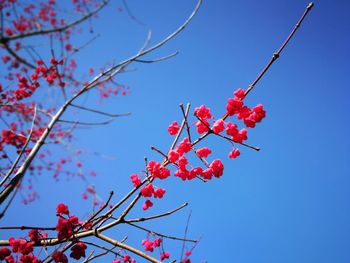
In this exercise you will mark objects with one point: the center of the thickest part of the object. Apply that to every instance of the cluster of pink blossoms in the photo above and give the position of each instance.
(65, 225)
(65, 229)
(178, 157)
(150, 245)
(32, 17)
(22, 249)
(149, 191)
(126, 259)
(18, 105)
(205, 124)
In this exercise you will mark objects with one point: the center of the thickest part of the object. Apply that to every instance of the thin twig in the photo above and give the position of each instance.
(141, 219)
(26, 228)
(162, 235)
(185, 235)
(186, 122)
(87, 123)
(157, 59)
(276, 55)
(101, 112)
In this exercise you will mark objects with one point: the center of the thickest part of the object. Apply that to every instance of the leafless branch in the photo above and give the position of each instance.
(101, 112)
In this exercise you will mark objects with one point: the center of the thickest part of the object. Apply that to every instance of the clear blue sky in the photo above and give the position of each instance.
(289, 202)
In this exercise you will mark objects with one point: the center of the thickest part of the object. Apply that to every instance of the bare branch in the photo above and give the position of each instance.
(186, 229)
(162, 235)
(87, 123)
(26, 228)
(141, 219)
(185, 119)
(131, 14)
(101, 112)
(105, 252)
(158, 59)
(17, 57)
(276, 55)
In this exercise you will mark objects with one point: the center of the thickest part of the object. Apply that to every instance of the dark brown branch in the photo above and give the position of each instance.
(159, 151)
(101, 112)
(185, 118)
(26, 228)
(131, 14)
(17, 57)
(162, 235)
(185, 235)
(87, 123)
(276, 55)
(141, 219)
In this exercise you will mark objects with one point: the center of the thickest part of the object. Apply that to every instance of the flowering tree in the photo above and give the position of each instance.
(32, 125)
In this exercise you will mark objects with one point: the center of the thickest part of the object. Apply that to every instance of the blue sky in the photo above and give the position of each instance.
(287, 203)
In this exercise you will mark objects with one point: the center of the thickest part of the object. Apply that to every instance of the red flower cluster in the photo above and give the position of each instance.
(249, 116)
(164, 255)
(150, 245)
(4, 252)
(19, 246)
(65, 226)
(157, 170)
(234, 153)
(125, 259)
(62, 209)
(29, 259)
(147, 204)
(32, 17)
(203, 114)
(135, 180)
(11, 138)
(205, 124)
(203, 152)
(149, 191)
(59, 257)
(35, 235)
(78, 250)
(173, 128)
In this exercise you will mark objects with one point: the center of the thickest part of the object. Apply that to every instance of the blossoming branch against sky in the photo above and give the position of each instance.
(286, 202)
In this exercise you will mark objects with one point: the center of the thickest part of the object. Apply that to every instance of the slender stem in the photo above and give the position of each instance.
(26, 228)
(141, 219)
(162, 235)
(186, 230)
(276, 55)
(101, 112)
